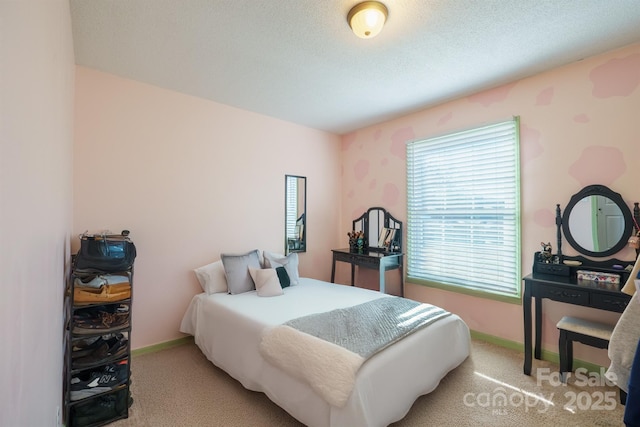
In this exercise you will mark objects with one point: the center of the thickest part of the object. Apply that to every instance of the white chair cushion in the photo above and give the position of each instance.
(586, 327)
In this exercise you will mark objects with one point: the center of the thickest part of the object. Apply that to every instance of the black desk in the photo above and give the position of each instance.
(564, 289)
(381, 261)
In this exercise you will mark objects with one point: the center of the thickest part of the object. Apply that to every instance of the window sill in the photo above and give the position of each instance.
(511, 299)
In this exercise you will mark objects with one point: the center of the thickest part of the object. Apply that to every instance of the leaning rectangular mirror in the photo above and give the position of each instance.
(295, 213)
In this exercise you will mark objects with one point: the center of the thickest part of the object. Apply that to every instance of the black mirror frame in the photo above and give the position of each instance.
(598, 190)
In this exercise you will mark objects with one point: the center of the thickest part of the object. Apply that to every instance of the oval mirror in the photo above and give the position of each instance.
(295, 213)
(597, 222)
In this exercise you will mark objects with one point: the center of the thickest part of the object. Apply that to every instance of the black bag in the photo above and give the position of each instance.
(105, 252)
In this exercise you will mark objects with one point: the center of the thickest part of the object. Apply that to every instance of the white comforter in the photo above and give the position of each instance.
(229, 328)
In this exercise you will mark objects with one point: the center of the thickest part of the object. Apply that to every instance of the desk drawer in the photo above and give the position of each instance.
(556, 269)
(572, 296)
(359, 259)
(365, 261)
(609, 302)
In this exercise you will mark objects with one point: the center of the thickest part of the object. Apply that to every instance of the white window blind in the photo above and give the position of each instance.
(463, 213)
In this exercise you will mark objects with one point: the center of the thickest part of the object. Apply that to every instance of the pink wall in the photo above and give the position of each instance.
(192, 179)
(36, 137)
(579, 126)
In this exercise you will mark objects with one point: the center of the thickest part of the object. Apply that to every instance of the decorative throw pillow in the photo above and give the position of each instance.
(266, 280)
(236, 270)
(289, 262)
(211, 278)
(283, 277)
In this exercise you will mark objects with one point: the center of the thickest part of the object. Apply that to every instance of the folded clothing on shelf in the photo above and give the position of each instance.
(96, 281)
(105, 293)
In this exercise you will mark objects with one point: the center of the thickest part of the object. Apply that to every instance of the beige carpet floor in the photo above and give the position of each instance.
(180, 387)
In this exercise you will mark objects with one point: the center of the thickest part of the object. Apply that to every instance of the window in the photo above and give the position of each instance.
(463, 211)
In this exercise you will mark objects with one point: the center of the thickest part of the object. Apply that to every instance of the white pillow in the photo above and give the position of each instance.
(289, 262)
(211, 278)
(267, 282)
(236, 270)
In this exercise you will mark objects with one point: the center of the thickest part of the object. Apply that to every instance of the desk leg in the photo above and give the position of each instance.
(333, 270)
(381, 274)
(538, 349)
(401, 280)
(353, 274)
(526, 306)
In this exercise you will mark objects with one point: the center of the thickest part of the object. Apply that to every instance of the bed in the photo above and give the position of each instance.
(230, 330)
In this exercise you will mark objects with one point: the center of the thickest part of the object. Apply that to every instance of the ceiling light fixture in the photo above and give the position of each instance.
(366, 19)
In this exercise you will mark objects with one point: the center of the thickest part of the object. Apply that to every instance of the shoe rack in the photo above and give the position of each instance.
(97, 359)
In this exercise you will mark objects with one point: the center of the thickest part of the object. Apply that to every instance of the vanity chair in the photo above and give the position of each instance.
(596, 223)
(587, 332)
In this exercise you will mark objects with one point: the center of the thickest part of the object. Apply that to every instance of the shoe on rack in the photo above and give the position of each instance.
(107, 350)
(102, 319)
(103, 408)
(105, 293)
(85, 346)
(101, 280)
(103, 379)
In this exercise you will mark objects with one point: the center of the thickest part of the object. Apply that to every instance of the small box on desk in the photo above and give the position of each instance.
(610, 281)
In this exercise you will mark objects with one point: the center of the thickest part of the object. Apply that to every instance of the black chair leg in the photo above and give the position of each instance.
(569, 355)
(563, 349)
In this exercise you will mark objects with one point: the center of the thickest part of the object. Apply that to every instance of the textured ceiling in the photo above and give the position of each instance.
(298, 60)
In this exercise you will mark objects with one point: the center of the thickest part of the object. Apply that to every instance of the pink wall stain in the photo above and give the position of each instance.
(598, 165)
(492, 96)
(545, 96)
(617, 77)
(530, 146)
(399, 140)
(361, 169)
(545, 217)
(446, 118)
(390, 194)
(351, 194)
(581, 118)
(377, 133)
(384, 162)
(348, 140)
(372, 184)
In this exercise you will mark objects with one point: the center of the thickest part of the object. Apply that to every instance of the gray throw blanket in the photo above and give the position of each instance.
(367, 328)
(327, 349)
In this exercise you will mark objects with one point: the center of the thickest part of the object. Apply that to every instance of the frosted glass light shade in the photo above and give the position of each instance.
(366, 19)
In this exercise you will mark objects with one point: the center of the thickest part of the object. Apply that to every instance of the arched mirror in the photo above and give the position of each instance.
(295, 211)
(597, 222)
(383, 232)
